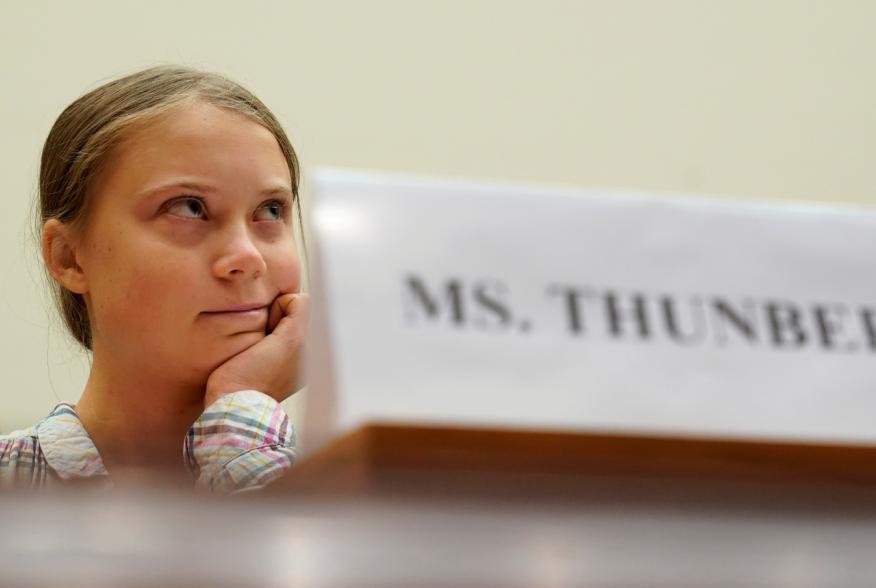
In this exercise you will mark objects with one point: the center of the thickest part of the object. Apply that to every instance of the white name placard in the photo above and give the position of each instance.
(493, 305)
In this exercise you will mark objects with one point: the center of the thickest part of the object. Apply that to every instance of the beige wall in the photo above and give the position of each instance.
(748, 99)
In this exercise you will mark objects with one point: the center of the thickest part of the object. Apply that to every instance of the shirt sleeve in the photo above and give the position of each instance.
(243, 441)
(20, 461)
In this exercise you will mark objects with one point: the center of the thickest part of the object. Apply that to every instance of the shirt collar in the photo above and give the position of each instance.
(68, 449)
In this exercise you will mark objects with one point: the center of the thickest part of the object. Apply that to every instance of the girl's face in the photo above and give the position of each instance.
(190, 223)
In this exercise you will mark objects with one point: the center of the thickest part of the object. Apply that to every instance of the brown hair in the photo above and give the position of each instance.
(85, 133)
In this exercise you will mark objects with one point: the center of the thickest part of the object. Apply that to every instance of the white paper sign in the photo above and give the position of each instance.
(521, 307)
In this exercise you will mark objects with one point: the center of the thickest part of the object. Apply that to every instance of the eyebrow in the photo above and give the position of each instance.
(196, 187)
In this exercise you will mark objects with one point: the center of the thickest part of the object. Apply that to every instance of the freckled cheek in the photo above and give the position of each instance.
(286, 272)
(147, 293)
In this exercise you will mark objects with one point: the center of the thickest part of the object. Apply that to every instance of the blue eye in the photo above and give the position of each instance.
(276, 209)
(187, 207)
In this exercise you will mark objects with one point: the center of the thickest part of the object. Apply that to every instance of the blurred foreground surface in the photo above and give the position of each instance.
(172, 540)
(403, 507)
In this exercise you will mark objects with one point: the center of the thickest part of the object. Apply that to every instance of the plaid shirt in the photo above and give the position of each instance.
(242, 441)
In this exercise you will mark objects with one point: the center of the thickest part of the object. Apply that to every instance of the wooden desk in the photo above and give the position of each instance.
(435, 463)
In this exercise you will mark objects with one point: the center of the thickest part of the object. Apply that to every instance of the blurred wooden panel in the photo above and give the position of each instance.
(382, 460)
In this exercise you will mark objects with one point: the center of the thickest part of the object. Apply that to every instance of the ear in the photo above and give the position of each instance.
(60, 250)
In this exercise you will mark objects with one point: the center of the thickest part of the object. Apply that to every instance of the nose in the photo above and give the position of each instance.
(239, 258)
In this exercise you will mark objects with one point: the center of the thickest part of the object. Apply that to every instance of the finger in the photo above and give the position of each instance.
(292, 303)
(276, 312)
(294, 324)
(283, 305)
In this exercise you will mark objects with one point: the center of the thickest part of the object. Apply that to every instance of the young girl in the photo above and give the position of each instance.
(166, 204)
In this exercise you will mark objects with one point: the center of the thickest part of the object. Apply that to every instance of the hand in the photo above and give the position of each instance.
(273, 365)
